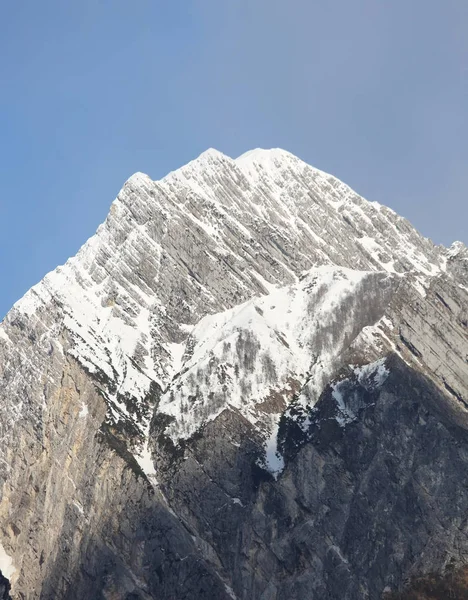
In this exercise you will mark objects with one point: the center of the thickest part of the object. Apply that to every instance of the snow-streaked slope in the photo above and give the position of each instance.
(204, 239)
(255, 357)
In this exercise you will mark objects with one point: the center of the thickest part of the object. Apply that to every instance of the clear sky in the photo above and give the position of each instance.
(373, 91)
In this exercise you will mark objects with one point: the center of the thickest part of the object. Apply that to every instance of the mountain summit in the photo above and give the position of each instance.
(250, 383)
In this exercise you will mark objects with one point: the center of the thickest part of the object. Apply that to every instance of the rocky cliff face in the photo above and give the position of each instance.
(251, 383)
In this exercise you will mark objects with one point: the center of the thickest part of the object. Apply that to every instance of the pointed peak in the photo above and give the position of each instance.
(212, 154)
(207, 160)
(456, 248)
(260, 155)
(138, 178)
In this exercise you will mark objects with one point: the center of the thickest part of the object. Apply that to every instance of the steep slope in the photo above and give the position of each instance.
(170, 389)
(253, 358)
(204, 239)
(373, 465)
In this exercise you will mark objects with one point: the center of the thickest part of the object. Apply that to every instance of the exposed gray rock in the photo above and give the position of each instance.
(251, 383)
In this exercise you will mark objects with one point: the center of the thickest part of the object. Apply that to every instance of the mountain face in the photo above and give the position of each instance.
(250, 384)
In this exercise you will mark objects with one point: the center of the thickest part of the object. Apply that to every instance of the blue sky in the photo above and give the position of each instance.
(373, 91)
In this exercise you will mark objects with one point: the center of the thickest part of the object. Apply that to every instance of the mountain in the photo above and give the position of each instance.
(250, 383)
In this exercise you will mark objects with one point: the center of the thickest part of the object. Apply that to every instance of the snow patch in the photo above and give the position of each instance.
(145, 460)
(345, 415)
(230, 592)
(274, 460)
(421, 284)
(6, 563)
(78, 506)
(372, 375)
(177, 353)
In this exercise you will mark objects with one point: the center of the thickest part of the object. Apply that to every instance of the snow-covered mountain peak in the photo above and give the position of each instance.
(237, 317)
(201, 241)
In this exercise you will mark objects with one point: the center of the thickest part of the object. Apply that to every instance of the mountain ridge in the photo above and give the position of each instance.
(256, 167)
(223, 324)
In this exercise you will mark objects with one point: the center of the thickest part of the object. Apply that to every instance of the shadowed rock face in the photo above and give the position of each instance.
(357, 510)
(252, 384)
(4, 588)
